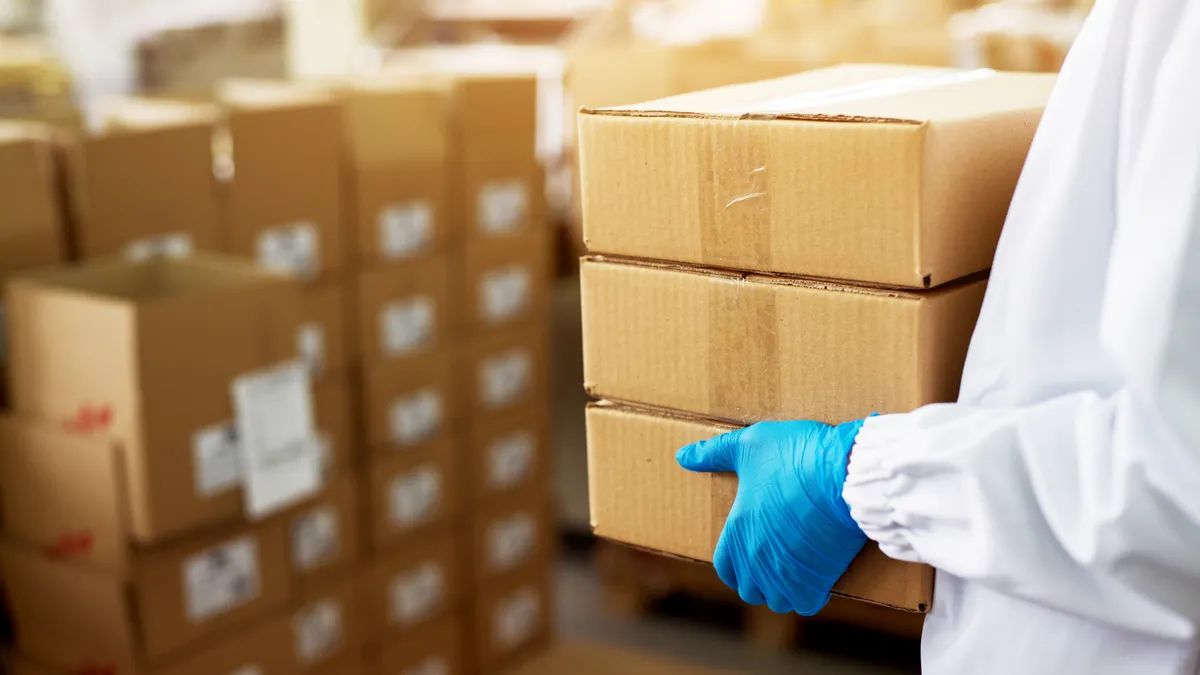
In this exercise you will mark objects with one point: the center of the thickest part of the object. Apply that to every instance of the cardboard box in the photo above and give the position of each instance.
(404, 310)
(506, 369)
(409, 405)
(505, 281)
(410, 492)
(349, 664)
(398, 154)
(177, 595)
(31, 234)
(437, 647)
(260, 647)
(755, 176)
(747, 348)
(333, 406)
(414, 587)
(324, 534)
(330, 624)
(640, 496)
(325, 340)
(512, 617)
(284, 202)
(190, 61)
(513, 532)
(507, 453)
(146, 352)
(143, 185)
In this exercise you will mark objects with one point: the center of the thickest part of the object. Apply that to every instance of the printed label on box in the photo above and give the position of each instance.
(504, 378)
(310, 346)
(405, 229)
(294, 248)
(414, 596)
(250, 669)
(415, 496)
(516, 618)
(504, 293)
(510, 460)
(221, 579)
(434, 665)
(172, 245)
(511, 541)
(280, 448)
(318, 630)
(406, 325)
(216, 459)
(416, 417)
(502, 206)
(315, 540)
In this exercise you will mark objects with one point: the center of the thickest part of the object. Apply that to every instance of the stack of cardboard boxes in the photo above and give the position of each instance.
(813, 247)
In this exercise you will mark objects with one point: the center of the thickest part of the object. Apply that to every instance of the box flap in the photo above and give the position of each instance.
(139, 114)
(246, 94)
(64, 492)
(640, 496)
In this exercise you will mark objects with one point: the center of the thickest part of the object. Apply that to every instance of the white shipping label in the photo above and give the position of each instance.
(251, 669)
(280, 448)
(504, 293)
(504, 379)
(502, 205)
(511, 541)
(515, 619)
(294, 248)
(172, 245)
(416, 417)
(405, 229)
(216, 460)
(416, 595)
(221, 579)
(407, 325)
(510, 460)
(318, 631)
(310, 346)
(315, 540)
(434, 665)
(414, 497)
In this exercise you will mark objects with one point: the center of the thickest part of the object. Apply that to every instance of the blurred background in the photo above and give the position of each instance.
(63, 61)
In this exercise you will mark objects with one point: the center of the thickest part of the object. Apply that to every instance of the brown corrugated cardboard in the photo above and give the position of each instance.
(283, 202)
(507, 453)
(398, 150)
(411, 491)
(143, 186)
(414, 586)
(324, 535)
(893, 175)
(404, 310)
(640, 496)
(513, 532)
(179, 594)
(504, 281)
(31, 234)
(409, 404)
(333, 406)
(349, 664)
(330, 624)
(506, 369)
(512, 617)
(436, 647)
(746, 347)
(580, 658)
(325, 340)
(146, 352)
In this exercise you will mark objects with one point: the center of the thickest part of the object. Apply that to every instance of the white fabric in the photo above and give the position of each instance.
(1060, 498)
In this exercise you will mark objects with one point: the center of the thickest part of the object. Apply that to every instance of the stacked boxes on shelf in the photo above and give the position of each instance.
(813, 247)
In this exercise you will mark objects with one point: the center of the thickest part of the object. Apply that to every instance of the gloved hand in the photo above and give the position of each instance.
(789, 536)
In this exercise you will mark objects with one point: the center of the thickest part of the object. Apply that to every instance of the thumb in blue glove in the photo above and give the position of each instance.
(789, 536)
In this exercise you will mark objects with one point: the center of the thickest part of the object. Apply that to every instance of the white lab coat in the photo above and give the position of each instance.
(1060, 497)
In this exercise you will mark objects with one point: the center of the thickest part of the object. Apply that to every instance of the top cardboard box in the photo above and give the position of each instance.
(31, 232)
(889, 175)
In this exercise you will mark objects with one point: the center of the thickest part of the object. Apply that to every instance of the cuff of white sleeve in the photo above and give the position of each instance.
(872, 481)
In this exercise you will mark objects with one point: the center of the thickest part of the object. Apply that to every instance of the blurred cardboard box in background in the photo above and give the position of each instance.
(32, 231)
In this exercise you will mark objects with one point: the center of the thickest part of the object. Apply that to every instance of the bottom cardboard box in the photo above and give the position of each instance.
(415, 585)
(512, 617)
(330, 625)
(639, 496)
(434, 649)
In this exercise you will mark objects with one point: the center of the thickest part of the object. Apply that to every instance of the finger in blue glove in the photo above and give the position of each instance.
(789, 536)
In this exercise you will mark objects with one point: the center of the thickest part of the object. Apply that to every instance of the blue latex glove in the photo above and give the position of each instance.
(789, 536)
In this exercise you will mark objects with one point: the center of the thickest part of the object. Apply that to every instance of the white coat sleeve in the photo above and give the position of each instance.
(1087, 503)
